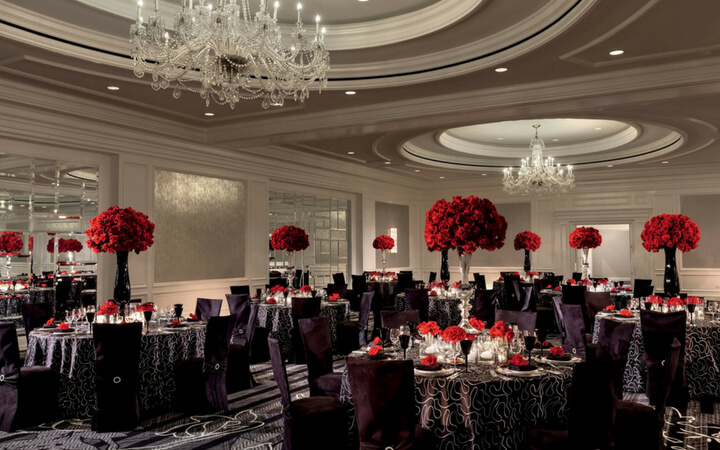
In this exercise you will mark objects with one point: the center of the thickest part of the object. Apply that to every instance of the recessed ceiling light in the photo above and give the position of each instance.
(610, 165)
(351, 153)
(388, 162)
(666, 162)
(617, 52)
(417, 170)
(556, 140)
(113, 88)
(350, 92)
(363, 1)
(483, 174)
(500, 139)
(501, 69)
(442, 178)
(209, 114)
(598, 128)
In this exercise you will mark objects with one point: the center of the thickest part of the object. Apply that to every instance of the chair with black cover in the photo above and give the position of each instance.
(640, 426)
(63, 299)
(614, 345)
(239, 376)
(595, 302)
(88, 293)
(479, 281)
(577, 276)
(117, 364)
(643, 291)
(351, 334)
(557, 301)
(484, 306)
(575, 341)
(339, 278)
(547, 274)
(28, 395)
(311, 422)
(298, 280)
(433, 277)
(404, 281)
(419, 300)
(383, 394)
(239, 306)
(340, 289)
(525, 320)
(302, 308)
(239, 290)
(556, 279)
(642, 282)
(575, 295)
(319, 354)
(513, 297)
(394, 319)
(35, 315)
(205, 308)
(658, 331)
(359, 287)
(591, 419)
(201, 382)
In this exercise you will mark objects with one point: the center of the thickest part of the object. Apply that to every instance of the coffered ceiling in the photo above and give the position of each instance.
(423, 71)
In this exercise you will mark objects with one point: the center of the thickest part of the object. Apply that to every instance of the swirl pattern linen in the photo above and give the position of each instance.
(74, 358)
(386, 289)
(702, 370)
(444, 311)
(278, 320)
(481, 410)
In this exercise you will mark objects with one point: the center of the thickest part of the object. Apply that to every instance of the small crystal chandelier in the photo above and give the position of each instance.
(227, 54)
(538, 176)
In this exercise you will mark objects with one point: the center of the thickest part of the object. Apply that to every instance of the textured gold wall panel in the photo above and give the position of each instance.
(199, 227)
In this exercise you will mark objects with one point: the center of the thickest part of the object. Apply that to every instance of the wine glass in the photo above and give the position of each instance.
(68, 316)
(466, 346)
(691, 309)
(621, 282)
(529, 338)
(384, 335)
(395, 337)
(404, 343)
(90, 316)
(541, 334)
(413, 328)
(178, 310)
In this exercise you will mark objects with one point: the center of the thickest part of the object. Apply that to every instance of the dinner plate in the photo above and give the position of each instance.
(174, 328)
(504, 370)
(69, 330)
(559, 362)
(434, 373)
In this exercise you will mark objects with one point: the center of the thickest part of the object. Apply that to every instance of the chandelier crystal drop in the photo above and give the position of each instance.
(226, 54)
(538, 176)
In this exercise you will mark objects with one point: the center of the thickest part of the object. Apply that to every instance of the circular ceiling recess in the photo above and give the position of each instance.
(579, 142)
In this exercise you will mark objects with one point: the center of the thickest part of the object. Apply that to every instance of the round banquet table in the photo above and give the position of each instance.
(702, 367)
(387, 288)
(444, 311)
(620, 299)
(74, 358)
(481, 409)
(278, 320)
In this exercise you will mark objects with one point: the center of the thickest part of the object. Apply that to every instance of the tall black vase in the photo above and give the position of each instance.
(526, 267)
(444, 267)
(671, 283)
(121, 294)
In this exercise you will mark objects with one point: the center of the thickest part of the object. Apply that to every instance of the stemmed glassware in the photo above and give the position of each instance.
(691, 309)
(466, 347)
(404, 343)
(541, 334)
(90, 316)
(395, 337)
(529, 338)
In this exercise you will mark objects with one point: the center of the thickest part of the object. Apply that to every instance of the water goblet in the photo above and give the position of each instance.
(90, 316)
(404, 343)
(466, 347)
(68, 316)
(529, 338)
(178, 310)
(541, 334)
(691, 309)
(395, 337)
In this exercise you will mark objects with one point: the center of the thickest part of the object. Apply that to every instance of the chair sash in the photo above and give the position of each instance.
(207, 308)
(525, 320)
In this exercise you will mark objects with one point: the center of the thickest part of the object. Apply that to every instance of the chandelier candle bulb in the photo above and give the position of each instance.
(139, 14)
(317, 25)
(299, 9)
(277, 5)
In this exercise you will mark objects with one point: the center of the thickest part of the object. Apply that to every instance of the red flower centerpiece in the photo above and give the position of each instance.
(528, 241)
(147, 309)
(428, 328)
(670, 232)
(10, 245)
(584, 239)
(69, 246)
(120, 230)
(108, 309)
(465, 224)
(291, 239)
(477, 324)
(383, 243)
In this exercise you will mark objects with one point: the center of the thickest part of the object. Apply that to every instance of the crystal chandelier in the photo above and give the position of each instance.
(227, 54)
(538, 176)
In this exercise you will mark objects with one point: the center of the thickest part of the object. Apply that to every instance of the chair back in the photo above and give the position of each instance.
(555, 278)
(557, 301)
(318, 346)
(117, 361)
(642, 282)
(513, 297)
(418, 299)
(359, 284)
(658, 332)
(277, 281)
(63, 299)
(528, 297)
(484, 306)
(591, 422)
(543, 283)
(281, 378)
(304, 308)
(479, 281)
(577, 276)
(384, 400)
(205, 308)
(525, 320)
(90, 283)
(433, 277)
(335, 288)
(215, 356)
(404, 281)
(596, 302)
(10, 365)
(643, 291)
(573, 295)
(239, 290)
(614, 339)
(574, 326)
(671, 371)
(394, 319)
(339, 278)
(239, 306)
(365, 306)
(35, 315)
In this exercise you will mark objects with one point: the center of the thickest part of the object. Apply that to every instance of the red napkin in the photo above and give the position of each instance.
(429, 360)
(49, 322)
(193, 316)
(63, 326)
(374, 350)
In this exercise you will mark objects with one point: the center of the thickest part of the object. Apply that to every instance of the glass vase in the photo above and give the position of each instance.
(444, 267)
(671, 282)
(526, 266)
(465, 291)
(383, 256)
(585, 252)
(291, 269)
(121, 293)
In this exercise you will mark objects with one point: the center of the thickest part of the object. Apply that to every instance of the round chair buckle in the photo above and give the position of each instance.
(2, 377)
(217, 366)
(663, 362)
(117, 380)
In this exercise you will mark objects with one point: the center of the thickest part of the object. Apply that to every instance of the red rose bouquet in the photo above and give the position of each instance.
(430, 327)
(383, 242)
(693, 301)
(527, 240)
(558, 352)
(655, 299)
(571, 282)
(517, 360)
(502, 330)
(146, 307)
(108, 308)
(374, 350)
(306, 289)
(437, 285)
(477, 324)
(10, 243)
(670, 231)
(278, 289)
(65, 245)
(453, 334)
(63, 326)
(532, 274)
(429, 360)
(585, 282)
(120, 230)
(610, 308)
(625, 313)
(290, 238)
(465, 224)
(675, 301)
(585, 237)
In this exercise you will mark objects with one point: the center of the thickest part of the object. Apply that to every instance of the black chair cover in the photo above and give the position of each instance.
(525, 320)
(351, 334)
(318, 352)
(418, 299)
(643, 291)
(239, 376)
(614, 339)
(339, 278)
(574, 326)
(278, 281)
(205, 308)
(359, 284)
(10, 365)
(479, 281)
(239, 290)
(484, 306)
(557, 301)
(35, 315)
(595, 302)
(394, 319)
(63, 299)
(117, 361)
(302, 308)
(577, 276)
(642, 282)
(433, 277)
(340, 289)
(404, 281)
(239, 306)
(658, 331)
(513, 297)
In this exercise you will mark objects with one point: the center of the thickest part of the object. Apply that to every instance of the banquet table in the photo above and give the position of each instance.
(277, 319)
(482, 409)
(702, 369)
(444, 311)
(387, 288)
(620, 299)
(73, 357)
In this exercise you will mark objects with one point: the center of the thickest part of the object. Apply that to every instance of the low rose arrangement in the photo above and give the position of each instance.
(517, 360)
(453, 334)
(531, 274)
(501, 330)
(626, 313)
(585, 237)
(290, 238)
(477, 324)
(585, 282)
(527, 240)
(437, 285)
(670, 231)
(693, 300)
(278, 289)
(146, 307)
(675, 301)
(655, 299)
(383, 242)
(108, 308)
(430, 327)
(306, 289)
(557, 352)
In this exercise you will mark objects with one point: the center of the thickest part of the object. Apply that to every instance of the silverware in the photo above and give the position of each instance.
(453, 376)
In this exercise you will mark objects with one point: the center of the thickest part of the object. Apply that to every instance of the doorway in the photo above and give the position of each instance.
(612, 259)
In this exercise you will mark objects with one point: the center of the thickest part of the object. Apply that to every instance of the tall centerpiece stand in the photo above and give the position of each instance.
(527, 241)
(465, 224)
(670, 232)
(584, 239)
(383, 243)
(10, 245)
(291, 239)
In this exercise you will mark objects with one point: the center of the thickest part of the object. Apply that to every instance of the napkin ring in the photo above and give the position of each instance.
(217, 366)
(2, 377)
(117, 380)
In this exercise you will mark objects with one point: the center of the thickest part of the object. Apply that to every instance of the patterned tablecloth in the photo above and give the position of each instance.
(74, 358)
(444, 311)
(702, 369)
(278, 320)
(481, 409)
(387, 288)
(619, 299)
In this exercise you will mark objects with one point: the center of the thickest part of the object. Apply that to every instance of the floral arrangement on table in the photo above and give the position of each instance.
(675, 302)
(585, 237)
(63, 326)
(571, 282)
(610, 308)
(517, 360)
(454, 334)
(437, 285)
(278, 289)
(428, 328)
(334, 298)
(108, 309)
(625, 312)
(692, 300)
(501, 330)
(306, 289)
(65, 245)
(655, 299)
(477, 324)
(527, 240)
(557, 352)
(429, 360)
(532, 274)
(146, 307)
(383, 242)
(120, 230)
(670, 231)
(10, 243)
(290, 238)
(382, 276)
(585, 282)
(603, 281)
